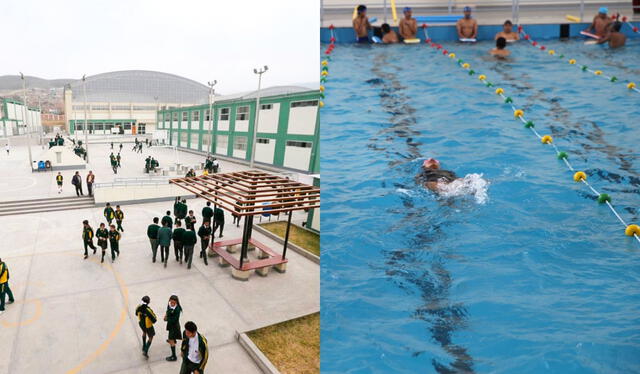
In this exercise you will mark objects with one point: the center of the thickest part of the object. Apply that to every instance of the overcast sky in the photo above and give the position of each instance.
(198, 39)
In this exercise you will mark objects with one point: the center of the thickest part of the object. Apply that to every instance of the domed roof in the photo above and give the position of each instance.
(140, 86)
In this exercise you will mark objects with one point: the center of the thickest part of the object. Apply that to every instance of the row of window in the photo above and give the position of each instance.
(242, 112)
(239, 142)
(115, 107)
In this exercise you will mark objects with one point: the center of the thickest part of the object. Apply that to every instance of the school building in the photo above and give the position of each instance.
(12, 118)
(287, 132)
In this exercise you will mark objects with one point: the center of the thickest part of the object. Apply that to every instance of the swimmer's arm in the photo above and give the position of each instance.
(475, 29)
(517, 36)
(459, 29)
(604, 39)
(368, 24)
(413, 27)
(433, 186)
(592, 25)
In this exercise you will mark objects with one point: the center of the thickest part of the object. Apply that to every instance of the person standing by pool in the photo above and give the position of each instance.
(467, 27)
(152, 234)
(87, 238)
(408, 26)
(164, 239)
(615, 38)
(103, 236)
(390, 36)
(146, 319)
(361, 25)
(172, 317)
(507, 32)
(59, 180)
(431, 175)
(4, 286)
(600, 23)
(500, 51)
(195, 350)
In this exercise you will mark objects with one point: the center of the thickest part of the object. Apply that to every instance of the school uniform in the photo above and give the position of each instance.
(177, 236)
(207, 213)
(77, 182)
(59, 179)
(164, 240)
(190, 222)
(152, 234)
(90, 179)
(189, 240)
(146, 319)
(195, 353)
(103, 237)
(109, 214)
(4, 285)
(205, 235)
(168, 220)
(119, 216)
(173, 322)
(87, 239)
(218, 220)
(114, 238)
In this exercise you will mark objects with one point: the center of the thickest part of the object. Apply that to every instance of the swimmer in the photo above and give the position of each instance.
(361, 25)
(507, 32)
(408, 25)
(467, 27)
(390, 36)
(600, 22)
(431, 175)
(500, 50)
(614, 36)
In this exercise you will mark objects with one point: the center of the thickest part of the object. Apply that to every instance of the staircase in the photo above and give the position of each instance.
(8, 208)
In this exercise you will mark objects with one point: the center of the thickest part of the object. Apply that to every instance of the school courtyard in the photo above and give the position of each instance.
(77, 316)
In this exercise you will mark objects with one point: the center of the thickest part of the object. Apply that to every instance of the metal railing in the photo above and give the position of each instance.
(131, 182)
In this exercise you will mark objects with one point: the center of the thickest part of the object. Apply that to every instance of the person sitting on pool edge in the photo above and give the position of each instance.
(467, 27)
(431, 175)
(500, 50)
(408, 26)
(600, 22)
(507, 32)
(389, 36)
(361, 25)
(614, 36)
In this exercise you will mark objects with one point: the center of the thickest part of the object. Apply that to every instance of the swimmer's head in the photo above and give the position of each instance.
(431, 163)
(407, 11)
(467, 12)
(362, 9)
(603, 11)
(616, 26)
(507, 26)
(501, 43)
(385, 28)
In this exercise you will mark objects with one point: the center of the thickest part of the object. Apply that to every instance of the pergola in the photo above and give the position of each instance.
(247, 194)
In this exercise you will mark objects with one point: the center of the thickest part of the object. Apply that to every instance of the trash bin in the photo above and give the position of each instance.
(41, 165)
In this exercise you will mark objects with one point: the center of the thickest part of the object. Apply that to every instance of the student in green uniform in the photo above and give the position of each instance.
(103, 236)
(118, 158)
(205, 235)
(178, 234)
(114, 239)
(87, 238)
(172, 317)
(164, 239)
(152, 234)
(59, 179)
(4, 286)
(190, 221)
(167, 219)
(207, 213)
(109, 214)
(146, 319)
(218, 220)
(119, 215)
(182, 211)
(195, 350)
(189, 240)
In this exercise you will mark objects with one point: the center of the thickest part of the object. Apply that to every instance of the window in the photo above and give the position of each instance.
(240, 143)
(266, 106)
(127, 126)
(184, 136)
(207, 116)
(99, 107)
(205, 141)
(78, 126)
(144, 107)
(263, 140)
(175, 116)
(142, 128)
(195, 116)
(99, 126)
(194, 141)
(299, 104)
(108, 126)
(222, 142)
(242, 113)
(120, 107)
(224, 114)
(291, 143)
(185, 116)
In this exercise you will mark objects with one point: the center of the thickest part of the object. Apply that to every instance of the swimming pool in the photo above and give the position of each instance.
(525, 272)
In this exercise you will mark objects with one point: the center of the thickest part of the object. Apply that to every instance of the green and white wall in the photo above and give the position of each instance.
(12, 118)
(288, 132)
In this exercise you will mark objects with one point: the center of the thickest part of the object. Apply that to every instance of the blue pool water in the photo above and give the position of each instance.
(524, 272)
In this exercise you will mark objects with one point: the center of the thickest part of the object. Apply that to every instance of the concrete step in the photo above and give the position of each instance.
(44, 209)
(45, 199)
(45, 205)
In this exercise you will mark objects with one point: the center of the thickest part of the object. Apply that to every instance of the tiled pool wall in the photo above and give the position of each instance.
(485, 32)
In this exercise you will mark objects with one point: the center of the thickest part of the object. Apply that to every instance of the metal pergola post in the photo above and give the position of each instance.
(246, 233)
(286, 236)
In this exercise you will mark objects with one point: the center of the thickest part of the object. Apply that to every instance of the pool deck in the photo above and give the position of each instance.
(77, 316)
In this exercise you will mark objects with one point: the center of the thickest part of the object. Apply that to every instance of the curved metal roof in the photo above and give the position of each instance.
(140, 86)
(266, 92)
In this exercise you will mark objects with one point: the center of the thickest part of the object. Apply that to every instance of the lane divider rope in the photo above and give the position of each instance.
(626, 22)
(324, 69)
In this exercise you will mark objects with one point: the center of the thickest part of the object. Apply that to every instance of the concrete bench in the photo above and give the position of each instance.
(266, 259)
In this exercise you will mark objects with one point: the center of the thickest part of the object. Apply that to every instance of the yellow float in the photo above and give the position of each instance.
(482, 77)
(324, 73)
(321, 104)
(597, 72)
(631, 85)
(452, 55)
(632, 230)
(552, 52)
(466, 65)
(321, 88)
(324, 63)
(572, 61)
(518, 113)
(579, 176)
(547, 139)
(499, 91)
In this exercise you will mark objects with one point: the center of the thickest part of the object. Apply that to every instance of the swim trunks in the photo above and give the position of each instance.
(363, 39)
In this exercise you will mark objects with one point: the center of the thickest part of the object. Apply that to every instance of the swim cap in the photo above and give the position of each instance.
(603, 10)
(406, 9)
(429, 161)
(467, 9)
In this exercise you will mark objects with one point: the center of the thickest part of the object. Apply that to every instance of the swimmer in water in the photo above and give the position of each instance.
(600, 22)
(614, 36)
(390, 36)
(408, 25)
(507, 32)
(500, 50)
(361, 25)
(431, 175)
(467, 27)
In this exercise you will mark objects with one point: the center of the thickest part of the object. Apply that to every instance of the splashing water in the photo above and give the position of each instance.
(471, 185)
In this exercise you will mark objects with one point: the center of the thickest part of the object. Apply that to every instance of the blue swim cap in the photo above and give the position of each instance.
(467, 9)
(406, 9)
(603, 10)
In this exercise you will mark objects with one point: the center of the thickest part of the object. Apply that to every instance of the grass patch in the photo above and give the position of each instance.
(297, 235)
(292, 346)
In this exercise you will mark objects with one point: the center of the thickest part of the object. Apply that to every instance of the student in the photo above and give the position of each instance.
(87, 238)
(172, 317)
(103, 236)
(408, 26)
(615, 38)
(467, 27)
(59, 180)
(361, 25)
(190, 174)
(390, 36)
(216, 165)
(189, 240)
(120, 148)
(507, 32)
(6, 148)
(205, 235)
(114, 165)
(177, 237)
(164, 239)
(90, 179)
(118, 157)
(152, 234)
(500, 50)
(77, 182)
(182, 209)
(146, 319)
(4, 286)
(207, 213)
(431, 175)
(119, 216)
(167, 219)
(114, 238)
(195, 350)
(108, 213)
(218, 220)
(600, 23)
(111, 145)
(236, 215)
(190, 221)
(147, 164)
